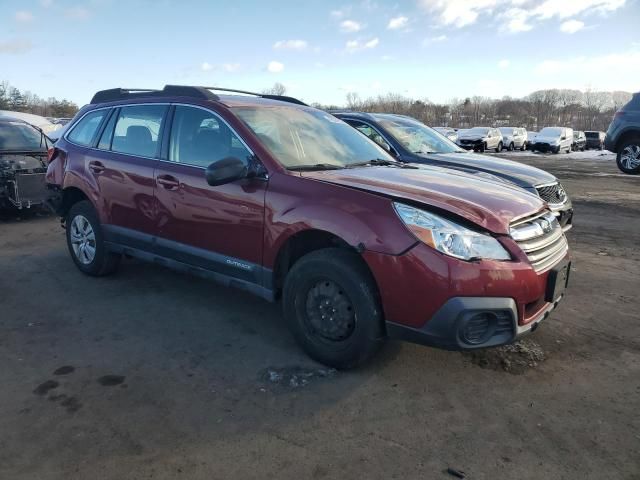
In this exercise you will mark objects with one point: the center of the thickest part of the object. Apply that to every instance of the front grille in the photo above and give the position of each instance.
(541, 238)
(553, 194)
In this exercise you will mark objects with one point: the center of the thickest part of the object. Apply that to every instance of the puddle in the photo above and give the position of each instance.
(515, 358)
(43, 388)
(65, 370)
(111, 380)
(294, 377)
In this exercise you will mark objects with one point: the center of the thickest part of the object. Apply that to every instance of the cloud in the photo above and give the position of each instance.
(516, 15)
(275, 67)
(78, 13)
(504, 64)
(397, 23)
(290, 45)
(340, 12)
(15, 47)
(437, 39)
(571, 26)
(46, 3)
(206, 67)
(458, 13)
(230, 67)
(350, 26)
(23, 16)
(357, 45)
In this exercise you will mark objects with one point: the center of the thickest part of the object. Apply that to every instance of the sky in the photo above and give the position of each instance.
(321, 50)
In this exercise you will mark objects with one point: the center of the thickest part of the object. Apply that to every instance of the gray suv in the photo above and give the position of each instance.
(623, 136)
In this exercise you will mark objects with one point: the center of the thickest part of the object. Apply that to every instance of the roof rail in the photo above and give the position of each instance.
(115, 94)
(282, 98)
(202, 93)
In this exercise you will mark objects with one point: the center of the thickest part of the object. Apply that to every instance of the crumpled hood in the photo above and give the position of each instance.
(492, 205)
(518, 173)
(19, 161)
(471, 136)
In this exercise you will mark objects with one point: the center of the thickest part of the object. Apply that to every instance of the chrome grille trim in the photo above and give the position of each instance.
(552, 193)
(543, 248)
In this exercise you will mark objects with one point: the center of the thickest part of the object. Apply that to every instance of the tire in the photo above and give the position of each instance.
(523, 147)
(85, 241)
(628, 156)
(512, 147)
(482, 147)
(339, 277)
(499, 147)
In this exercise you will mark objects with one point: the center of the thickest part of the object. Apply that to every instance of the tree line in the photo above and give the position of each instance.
(15, 100)
(588, 110)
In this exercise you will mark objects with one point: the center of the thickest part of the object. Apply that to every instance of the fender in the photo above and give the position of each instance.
(294, 204)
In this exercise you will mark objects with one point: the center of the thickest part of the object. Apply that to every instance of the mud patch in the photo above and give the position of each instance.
(515, 358)
(111, 380)
(294, 377)
(44, 388)
(64, 370)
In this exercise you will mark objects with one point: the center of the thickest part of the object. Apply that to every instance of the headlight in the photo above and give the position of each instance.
(449, 237)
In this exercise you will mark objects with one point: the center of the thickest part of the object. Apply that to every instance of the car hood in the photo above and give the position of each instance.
(490, 204)
(545, 139)
(471, 136)
(518, 173)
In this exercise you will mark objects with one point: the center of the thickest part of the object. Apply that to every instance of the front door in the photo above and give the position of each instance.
(218, 228)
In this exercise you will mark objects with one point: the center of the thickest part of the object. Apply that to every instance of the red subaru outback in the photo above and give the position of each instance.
(288, 202)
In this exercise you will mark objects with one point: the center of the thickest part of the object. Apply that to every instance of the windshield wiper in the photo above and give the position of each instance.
(419, 152)
(316, 166)
(380, 162)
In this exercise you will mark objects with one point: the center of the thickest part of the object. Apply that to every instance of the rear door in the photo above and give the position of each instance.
(123, 165)
(218, 228)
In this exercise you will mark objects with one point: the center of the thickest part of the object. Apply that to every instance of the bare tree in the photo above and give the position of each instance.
(277, 89)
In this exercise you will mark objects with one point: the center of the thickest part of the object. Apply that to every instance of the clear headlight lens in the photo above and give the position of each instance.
(449, 237)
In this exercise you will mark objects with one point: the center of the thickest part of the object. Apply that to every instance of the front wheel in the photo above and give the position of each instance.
(628, 157)
(331, 305)
(512, 147)
(499, 147)
(523, 147)
(86, 242)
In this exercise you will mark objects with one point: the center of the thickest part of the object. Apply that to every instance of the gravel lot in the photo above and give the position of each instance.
(154, 374)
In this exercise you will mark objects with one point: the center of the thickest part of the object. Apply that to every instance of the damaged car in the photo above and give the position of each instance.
(23, 164)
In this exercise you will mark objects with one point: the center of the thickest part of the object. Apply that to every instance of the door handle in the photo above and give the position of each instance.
(96, 167)
(168, 182)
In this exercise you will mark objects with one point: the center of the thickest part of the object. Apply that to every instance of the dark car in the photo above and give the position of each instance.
(623, 136)
(264, 193)
(409, 140)
(23, 164)
(579, 141)
(594, 139)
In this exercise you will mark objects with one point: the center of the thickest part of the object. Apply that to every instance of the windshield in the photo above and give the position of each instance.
(305, 137)
(506, 131)
(550, 132)
(415, 136)
(592, 134)
(478, 130)
(18, 136)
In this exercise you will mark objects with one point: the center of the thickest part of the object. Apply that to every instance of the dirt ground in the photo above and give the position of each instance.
(154, 374)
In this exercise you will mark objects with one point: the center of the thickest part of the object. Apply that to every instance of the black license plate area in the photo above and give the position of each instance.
(557, 281)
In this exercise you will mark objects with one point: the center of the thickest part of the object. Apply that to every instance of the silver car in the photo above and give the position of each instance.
(513, 137)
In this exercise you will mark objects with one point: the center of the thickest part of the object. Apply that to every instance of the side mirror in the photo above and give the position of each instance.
(226, 170)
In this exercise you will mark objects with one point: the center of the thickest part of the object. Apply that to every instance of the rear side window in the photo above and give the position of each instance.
(137, 130)
(85, 130)
(107, 134)
(199, 138)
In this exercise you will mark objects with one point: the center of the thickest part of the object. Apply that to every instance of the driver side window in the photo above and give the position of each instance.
(199, 138)
(368, 132)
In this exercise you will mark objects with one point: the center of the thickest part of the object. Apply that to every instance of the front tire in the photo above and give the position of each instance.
(331, 305)
(86, 241)
(512, 147)
(628, 156)
(499, 147)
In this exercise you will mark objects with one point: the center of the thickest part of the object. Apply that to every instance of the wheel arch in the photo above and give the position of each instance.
(625, 136)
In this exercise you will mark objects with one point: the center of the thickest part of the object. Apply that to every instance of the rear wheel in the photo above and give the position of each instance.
(331, 305)
(628, 157)
(86, 242)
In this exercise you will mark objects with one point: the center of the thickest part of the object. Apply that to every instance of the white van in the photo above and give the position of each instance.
(554, 139)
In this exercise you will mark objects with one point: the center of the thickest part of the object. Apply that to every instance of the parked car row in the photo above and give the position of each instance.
(347, 219)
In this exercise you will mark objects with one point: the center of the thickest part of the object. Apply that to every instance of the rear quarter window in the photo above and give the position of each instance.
(84, 132)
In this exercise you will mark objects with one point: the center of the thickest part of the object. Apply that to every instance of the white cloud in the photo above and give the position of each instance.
(340, 12)
(504, 63)
(275, 67)
(46, 3)
(350, 26)
(23, 16)
(571, 26)
(15, 47)
(78, 13)
(397, 23)
(436, 39)
(230, 67)
(290, 45)
(206, 67)
(357, 45)
(516, 15)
